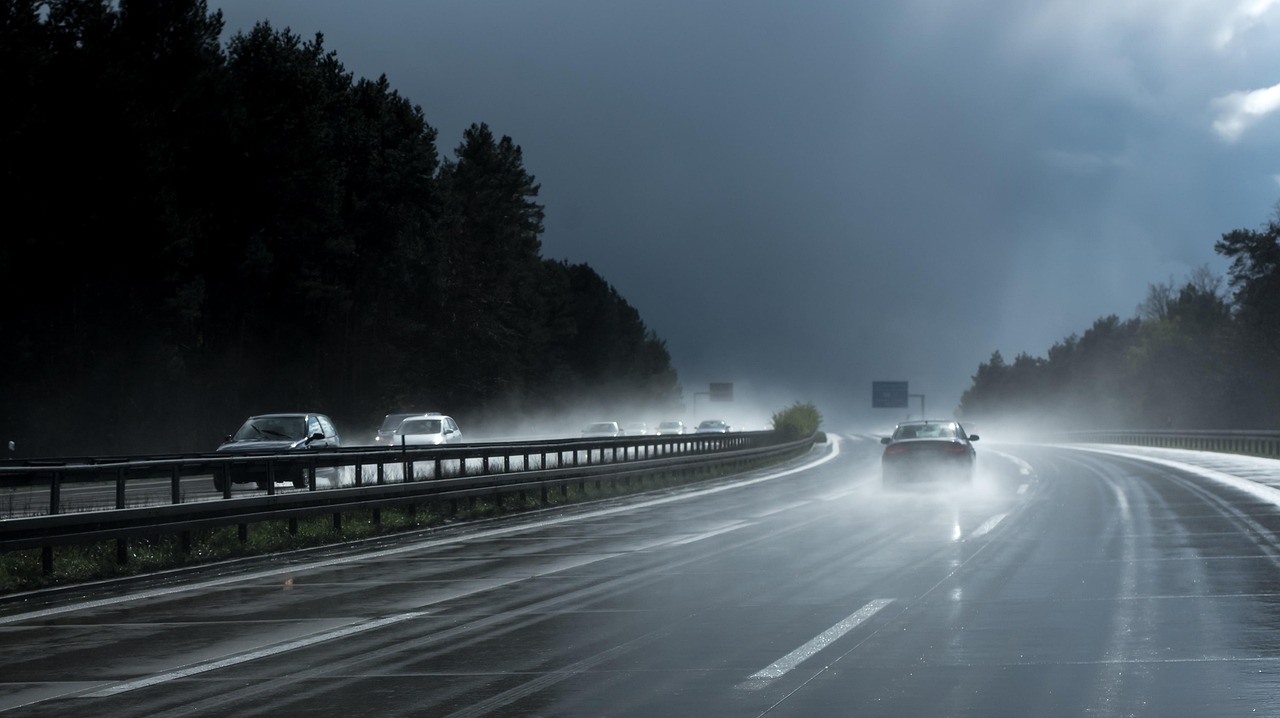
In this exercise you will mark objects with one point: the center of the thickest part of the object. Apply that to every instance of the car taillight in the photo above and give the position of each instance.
(895, 449)
(956, 448)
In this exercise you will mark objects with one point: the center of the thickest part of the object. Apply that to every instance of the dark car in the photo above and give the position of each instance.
(276, 434)
(928, 451)
(386, 432)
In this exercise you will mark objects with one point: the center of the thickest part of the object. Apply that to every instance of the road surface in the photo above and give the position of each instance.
(1065, 582)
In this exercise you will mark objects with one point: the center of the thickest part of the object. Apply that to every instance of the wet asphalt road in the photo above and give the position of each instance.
(1064, 583)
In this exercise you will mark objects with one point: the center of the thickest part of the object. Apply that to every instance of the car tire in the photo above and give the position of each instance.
(219, 484)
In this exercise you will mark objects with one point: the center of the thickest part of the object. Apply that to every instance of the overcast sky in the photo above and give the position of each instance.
(803, 197)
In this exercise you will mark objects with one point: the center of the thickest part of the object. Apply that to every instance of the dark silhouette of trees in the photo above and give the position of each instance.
(1193, 358)
(199, 232)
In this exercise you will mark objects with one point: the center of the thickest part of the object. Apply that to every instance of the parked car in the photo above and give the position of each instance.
(390, 423)
(669, 427)
(635, 428)
(713, 426)
(928, 451)
(426, 430)
(601, 429)
(275, 434)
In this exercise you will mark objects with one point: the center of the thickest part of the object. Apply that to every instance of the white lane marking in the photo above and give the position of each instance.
(1023, 467)
(988, 525)
(838, 495)
(709, 534)
(416, 546)
(780, 509)
(783, 665)
(1261, 491)
(251, 656)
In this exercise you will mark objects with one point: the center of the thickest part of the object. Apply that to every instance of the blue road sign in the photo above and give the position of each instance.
(888, 394)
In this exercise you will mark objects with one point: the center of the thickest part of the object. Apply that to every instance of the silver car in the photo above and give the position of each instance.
(602, 429)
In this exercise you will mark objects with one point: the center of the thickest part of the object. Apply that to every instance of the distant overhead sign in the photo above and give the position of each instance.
(888, 394)
(722, 391)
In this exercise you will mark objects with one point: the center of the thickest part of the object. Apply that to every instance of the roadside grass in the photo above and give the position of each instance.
(21, 571)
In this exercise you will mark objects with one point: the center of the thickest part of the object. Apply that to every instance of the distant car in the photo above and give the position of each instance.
(928, 451)
(666, 428)
(635, 428)
(273, 434)
(389, 424)
(601, 429)
(713, 426)
(426, 430)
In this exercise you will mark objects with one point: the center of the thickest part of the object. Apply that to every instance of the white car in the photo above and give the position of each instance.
(635, 428)
(602, 429)
(667, 428)
(426, 430)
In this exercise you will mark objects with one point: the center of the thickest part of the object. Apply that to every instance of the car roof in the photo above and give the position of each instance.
(429, 415)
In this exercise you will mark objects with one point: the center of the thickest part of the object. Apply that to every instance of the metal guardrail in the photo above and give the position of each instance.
(1251, 443)
(175, 495)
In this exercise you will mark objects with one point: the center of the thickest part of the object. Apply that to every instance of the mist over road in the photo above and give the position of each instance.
(1065, 582)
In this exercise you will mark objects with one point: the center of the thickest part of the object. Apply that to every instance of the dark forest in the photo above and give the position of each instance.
(199, 231)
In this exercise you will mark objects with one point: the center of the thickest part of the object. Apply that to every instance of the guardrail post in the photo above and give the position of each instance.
(175, 485)
(55, 493)
(120, 488)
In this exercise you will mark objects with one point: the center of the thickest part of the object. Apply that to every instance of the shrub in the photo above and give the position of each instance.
(797, 421)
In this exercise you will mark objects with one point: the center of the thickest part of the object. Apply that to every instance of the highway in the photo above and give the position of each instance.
(1065, 582)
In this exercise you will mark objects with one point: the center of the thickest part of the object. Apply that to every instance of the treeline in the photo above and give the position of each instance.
(1203, 354)
(195, 232)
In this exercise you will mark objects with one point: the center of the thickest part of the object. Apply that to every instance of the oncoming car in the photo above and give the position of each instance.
(601, 429)
(713, 426)
(928, 451)
(426, 430)
(274, 434)
(382, 437)
(669, 427)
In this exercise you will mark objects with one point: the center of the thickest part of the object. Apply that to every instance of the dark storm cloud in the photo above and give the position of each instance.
(806, 197)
